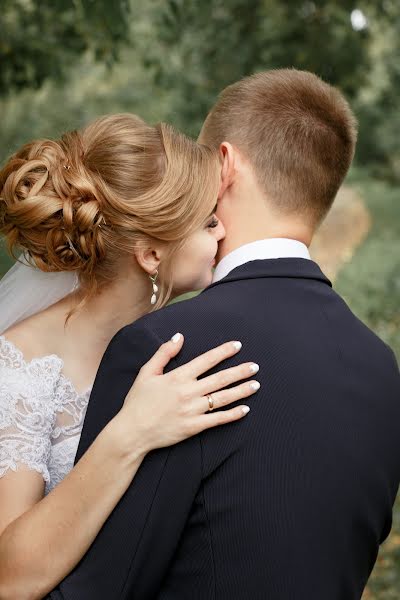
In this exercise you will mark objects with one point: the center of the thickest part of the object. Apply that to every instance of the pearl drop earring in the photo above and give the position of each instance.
(155, 287)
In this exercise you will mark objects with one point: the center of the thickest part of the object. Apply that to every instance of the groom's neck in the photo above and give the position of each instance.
(249, 215)
(240, 235)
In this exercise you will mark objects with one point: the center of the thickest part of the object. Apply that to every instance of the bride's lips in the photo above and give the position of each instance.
(213, 262)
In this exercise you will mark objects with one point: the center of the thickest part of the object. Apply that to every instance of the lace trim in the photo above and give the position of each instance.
(15, 450)
(13, 358)
(38, 405)
(67, 399)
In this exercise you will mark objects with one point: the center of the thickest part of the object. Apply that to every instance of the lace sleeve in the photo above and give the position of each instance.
(26, 411)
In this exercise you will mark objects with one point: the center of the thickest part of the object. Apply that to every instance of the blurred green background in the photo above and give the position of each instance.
(63, 63)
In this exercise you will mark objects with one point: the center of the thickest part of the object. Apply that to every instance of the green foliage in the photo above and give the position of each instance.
(168, 59)
(213, 43)
(41, 40)
(377, 103)
(93, 88)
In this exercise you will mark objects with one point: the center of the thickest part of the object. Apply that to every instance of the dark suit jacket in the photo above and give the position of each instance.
(289, 503)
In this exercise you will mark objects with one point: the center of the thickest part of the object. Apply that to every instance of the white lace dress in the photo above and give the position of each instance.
(41, 415)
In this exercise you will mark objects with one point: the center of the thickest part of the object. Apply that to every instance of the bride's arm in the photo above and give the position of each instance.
(42, 545)
(43, 538)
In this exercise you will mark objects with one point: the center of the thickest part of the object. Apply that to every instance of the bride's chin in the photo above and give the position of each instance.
(195, 286)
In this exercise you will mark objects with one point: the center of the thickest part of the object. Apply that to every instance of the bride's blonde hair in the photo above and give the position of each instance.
(82, 202)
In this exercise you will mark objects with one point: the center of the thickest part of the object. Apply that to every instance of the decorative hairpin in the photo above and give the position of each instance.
(67, 167)
(72, 247)
(102, 222)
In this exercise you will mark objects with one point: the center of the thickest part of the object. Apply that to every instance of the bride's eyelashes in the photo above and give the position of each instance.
(213, 223)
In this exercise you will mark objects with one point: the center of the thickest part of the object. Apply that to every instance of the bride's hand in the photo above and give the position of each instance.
(168, 408)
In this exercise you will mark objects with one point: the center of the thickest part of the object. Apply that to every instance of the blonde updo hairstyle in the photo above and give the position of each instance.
(82, 202)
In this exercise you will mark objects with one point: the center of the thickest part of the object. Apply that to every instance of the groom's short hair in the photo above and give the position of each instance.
(297, 131)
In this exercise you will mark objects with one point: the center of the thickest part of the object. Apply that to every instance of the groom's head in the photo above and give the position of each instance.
(286, 141)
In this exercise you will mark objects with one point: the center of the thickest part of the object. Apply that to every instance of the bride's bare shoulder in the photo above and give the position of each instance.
(31, 336)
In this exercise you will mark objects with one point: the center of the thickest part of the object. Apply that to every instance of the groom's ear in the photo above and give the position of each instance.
(227, 156)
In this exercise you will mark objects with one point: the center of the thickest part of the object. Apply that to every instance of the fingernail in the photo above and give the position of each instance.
(254, 368)
(255, 385)
(237, 345)
(245, 409)
(175, 338)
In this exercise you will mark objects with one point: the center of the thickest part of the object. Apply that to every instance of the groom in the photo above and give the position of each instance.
(292, 502)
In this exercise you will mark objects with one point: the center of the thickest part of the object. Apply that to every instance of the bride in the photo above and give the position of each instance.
(113, 221)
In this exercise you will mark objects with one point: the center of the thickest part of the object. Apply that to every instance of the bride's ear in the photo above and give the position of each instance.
(148, 258)
(227, 157)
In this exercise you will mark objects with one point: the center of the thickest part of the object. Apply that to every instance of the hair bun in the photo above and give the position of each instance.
(49, 206)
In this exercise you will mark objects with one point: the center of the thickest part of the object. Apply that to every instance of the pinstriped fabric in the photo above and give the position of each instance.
(289, 503)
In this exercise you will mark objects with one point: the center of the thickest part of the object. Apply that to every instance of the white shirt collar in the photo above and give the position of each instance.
(260, 250)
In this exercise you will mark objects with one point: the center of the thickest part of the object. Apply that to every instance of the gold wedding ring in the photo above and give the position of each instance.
(210, 402)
